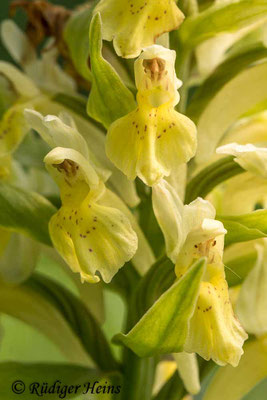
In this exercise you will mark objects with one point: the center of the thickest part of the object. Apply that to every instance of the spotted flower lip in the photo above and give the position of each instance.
(214, 331)
(153, 140)
(89, 236)
(135, 24)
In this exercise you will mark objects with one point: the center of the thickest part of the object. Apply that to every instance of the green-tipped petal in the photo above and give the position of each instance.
(135, 25)
(251, 305)
(93, 238)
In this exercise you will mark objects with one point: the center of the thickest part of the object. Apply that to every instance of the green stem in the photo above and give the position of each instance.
(138, 377)
(209, 177)
(184, 75)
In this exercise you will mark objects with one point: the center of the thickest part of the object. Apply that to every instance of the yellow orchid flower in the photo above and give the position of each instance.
(191, 232)
(154, 139)
(133, 25)
(250, 307)
(89, 236)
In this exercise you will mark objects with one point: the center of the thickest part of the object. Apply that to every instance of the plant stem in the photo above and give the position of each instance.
(138, 377)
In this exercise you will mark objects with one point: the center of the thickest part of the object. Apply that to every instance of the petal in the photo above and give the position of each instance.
(250, 157)
(13, 128)
(168, 210)
(252, 301)
(177, 179)
(214, 331)
(72, 172)
(164, 371)
(49, 76)
(144, 257)
(149, 143)
(135, 25)
(188, 370)
(23, 85)
(155, 76)
(55, 132)
(97, 238)
(17, 43)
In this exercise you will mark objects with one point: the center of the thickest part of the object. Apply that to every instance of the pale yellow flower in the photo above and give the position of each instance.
(153, 140)
(135, 24)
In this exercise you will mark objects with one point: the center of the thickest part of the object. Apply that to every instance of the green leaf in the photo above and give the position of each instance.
(147, 219)
(63, 374)
(109, 98)
(163, 329)
(25, 212)
(219, 78)
(76, 35)
(29, 306)
(79, 319)
(208, 178)
(241, 228)
(222, 17)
